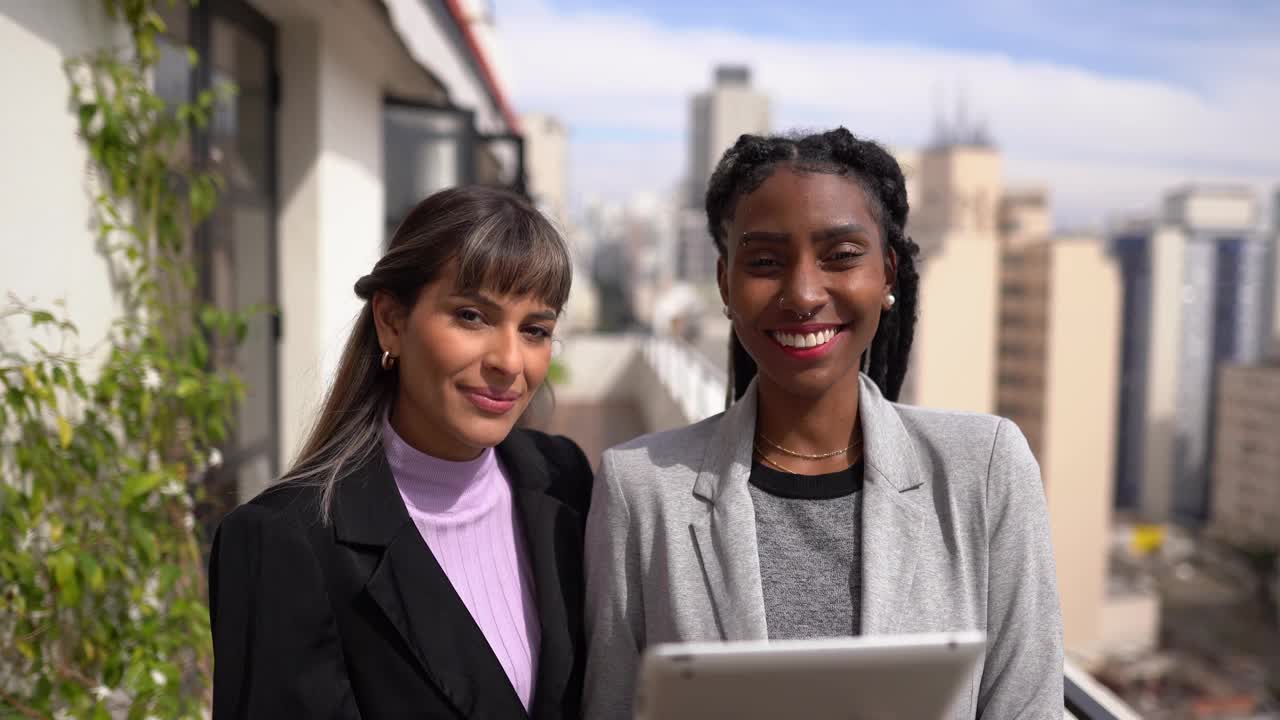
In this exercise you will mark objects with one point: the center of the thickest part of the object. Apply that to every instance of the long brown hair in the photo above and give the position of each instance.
(499, 243)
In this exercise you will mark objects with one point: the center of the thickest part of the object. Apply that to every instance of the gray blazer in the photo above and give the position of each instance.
(955, 537)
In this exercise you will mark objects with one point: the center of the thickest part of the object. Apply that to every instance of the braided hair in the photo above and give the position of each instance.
(753, 158)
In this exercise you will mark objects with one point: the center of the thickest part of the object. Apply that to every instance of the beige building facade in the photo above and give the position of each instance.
(1246, 467)
(1058, 367)
(954, 219)
(546, 153)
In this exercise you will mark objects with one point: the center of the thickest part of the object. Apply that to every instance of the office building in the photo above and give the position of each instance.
(546, 153)
(1246, 461)
(1058, 360)
(954, 219)
(1194, 286)
(717, 117)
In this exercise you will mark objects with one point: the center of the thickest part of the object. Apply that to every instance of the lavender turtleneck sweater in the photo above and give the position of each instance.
(465, 513)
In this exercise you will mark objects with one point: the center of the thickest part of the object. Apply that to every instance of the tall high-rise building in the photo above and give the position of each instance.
(1246, 458)
(546, 157)
(1057, 367)
(717, 117)
(954, 219)
(1194, 288)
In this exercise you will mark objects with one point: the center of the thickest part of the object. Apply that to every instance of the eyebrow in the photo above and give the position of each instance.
(481, 297)
(764, 236)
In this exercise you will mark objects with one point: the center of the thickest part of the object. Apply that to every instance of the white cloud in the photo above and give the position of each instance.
(1100, 142)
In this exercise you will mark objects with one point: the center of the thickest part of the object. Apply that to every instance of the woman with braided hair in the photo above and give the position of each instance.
(816, 505)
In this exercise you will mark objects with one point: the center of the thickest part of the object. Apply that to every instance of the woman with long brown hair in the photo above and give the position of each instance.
(422, 558)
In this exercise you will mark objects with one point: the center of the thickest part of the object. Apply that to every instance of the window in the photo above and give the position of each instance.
(429, 147)
(236, 247)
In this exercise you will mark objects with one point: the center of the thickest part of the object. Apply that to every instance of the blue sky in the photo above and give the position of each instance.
(1077, 33)
(1105, 103)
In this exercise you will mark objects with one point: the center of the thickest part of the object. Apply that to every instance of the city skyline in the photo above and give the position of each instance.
(1100, 118)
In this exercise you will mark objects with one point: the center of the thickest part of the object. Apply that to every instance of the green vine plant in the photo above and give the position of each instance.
(102, 456)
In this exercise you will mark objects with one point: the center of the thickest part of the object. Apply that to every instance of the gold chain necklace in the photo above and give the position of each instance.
(765, 459)
(821, 456)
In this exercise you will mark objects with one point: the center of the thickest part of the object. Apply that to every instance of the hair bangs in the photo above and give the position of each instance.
(516, 253)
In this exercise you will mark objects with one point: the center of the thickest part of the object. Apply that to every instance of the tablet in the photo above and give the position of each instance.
(919, 677)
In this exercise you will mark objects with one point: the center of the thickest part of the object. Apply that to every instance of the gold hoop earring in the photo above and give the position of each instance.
(388, 360)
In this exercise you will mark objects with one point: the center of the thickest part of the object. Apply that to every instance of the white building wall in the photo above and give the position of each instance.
(331, 220)
(49, 247)
(351, 193)
(298, 230)
(430, 43)
(1212, 208)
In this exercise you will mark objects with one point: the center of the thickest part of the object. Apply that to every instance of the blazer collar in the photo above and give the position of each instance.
(895, 505)
(550, 538)
(415, 594)
(367, 508)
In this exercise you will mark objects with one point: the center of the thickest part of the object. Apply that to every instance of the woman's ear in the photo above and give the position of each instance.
(890, 271)
(389, 318)
(722, 279)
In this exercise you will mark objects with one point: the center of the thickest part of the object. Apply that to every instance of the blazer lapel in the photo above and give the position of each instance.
(550, 539)
(725, 536)
(415, 595)
(894, 509)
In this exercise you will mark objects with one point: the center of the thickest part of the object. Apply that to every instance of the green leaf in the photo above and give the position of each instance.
(147, 545)
(64, 432)
(63, 567)
(188, 387)
(138, 486)
(199, 352)
(92, 573)
(42, 317)
(86, 113)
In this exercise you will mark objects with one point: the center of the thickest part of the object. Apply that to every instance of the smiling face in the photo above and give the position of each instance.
(468, 363)
(805, 279)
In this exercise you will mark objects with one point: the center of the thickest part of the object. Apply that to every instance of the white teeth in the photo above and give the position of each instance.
(805, 341)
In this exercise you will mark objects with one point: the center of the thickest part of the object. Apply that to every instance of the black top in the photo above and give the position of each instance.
(356, 619)
(807, 487)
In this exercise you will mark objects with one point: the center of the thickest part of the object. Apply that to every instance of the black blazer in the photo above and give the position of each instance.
(356, 619)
